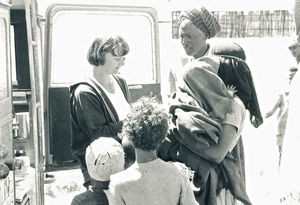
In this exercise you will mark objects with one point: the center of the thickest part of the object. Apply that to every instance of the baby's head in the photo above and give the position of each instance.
(207, 67)
(104, 157)
(147, 124)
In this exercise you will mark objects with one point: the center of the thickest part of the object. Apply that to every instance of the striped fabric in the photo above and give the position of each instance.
(203, 20)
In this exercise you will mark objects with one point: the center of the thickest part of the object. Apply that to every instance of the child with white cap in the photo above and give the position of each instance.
(104, 157)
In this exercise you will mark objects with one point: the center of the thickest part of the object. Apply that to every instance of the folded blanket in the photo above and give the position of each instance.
(200, 104)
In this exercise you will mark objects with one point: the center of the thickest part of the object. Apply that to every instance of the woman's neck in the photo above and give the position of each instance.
(99, 75)
(104, 79)
(145, 156)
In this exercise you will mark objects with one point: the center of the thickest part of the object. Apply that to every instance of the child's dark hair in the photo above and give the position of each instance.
(147, 124)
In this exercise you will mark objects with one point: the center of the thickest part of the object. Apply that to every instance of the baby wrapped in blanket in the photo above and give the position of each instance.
(201, 102)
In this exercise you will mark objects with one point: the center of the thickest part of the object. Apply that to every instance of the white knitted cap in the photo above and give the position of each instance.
(104, 157)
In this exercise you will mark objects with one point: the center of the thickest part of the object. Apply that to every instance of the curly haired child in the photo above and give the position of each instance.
(149, 180)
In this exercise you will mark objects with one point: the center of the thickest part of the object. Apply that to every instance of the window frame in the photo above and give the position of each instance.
(57, 9)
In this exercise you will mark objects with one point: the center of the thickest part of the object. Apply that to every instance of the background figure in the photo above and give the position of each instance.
(99, 105)
(282, 102)
(290, 162)
(104, 157)
(295, 50)
(282, 105)
(150, 180)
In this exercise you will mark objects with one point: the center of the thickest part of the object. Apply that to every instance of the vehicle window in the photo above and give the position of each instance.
(73, 33)
(3, 60)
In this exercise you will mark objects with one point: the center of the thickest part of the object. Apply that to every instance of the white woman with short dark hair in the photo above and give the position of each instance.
(99, 105)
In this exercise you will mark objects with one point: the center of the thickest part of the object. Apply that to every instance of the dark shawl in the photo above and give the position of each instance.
(234, 70)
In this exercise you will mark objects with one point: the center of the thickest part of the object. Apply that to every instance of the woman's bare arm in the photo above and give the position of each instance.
(216, 153)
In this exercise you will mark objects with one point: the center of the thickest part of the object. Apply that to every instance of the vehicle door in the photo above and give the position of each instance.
(69, 31)
(6, 111)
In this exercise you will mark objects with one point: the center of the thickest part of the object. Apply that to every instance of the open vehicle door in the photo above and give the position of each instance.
(6, 111)
(69, 31)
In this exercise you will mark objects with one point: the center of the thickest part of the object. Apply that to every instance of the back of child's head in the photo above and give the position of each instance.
(147, 124)
(104, 157)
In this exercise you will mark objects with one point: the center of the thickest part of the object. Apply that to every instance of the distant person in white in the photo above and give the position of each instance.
(290, 162)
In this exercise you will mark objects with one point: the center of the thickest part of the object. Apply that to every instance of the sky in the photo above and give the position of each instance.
(218, 5)
(237, 4)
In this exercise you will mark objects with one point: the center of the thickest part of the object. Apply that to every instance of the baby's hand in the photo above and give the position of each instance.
(231, 90)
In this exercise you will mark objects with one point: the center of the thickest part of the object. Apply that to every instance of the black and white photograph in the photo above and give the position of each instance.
(149, 102)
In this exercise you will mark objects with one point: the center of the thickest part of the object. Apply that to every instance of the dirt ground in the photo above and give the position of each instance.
(67, 184)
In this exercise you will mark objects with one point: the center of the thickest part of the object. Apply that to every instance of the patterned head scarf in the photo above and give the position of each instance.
(203, 20)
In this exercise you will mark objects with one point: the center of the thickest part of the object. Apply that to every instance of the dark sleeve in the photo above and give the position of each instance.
(75, 201)
(92, 116)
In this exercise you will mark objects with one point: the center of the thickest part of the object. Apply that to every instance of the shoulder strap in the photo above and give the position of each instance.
(97, 89)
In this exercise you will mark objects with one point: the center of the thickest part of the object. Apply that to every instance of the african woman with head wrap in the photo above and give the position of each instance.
(207, 131)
